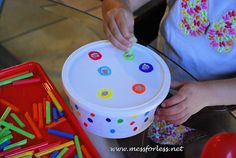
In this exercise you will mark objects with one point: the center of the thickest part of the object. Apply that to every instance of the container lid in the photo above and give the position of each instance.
(102, 78)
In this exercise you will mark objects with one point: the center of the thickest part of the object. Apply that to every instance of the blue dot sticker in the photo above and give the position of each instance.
(145, 67)
(112, 131)
(146, 113)
(104, 71)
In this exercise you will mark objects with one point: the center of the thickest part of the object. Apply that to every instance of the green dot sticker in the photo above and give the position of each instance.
(120, 121)
(128, 56)
(104, 93)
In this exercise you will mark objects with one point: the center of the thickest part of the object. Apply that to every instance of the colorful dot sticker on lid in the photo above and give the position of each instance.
(104, 71)
(94, 55)
(139, 88)
(145, 67)
(104, 93)
(128, 56)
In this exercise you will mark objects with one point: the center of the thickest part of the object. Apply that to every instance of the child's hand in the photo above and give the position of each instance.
(190, 98)
(118, 25)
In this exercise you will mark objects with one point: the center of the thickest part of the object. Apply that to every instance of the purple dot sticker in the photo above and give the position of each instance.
(94, 55)
(135, 128)
(108, 119)
(145, 67)
(90, 120)
(112, 131)
(146, 119)
(76, 107)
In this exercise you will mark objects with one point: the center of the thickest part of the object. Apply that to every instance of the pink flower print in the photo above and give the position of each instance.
(204, 6)
(211, 32)
(214, 44)
(184, 5)
(231, 31)
(226, 17)
(228, 24)
(190, 11)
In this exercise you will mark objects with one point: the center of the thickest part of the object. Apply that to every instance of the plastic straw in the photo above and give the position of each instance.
(8, 81)
(20, 143)
(35, 112)
(69, 152)
(60, 133)
(62, 152)
(28, 153)
(85, 152)
(4, 132)
(5, 114)
(10, 151)
(17, 119)
(57, 104)
(33, 126)
(48, 112)
(55, 114)
(7, 103)
(6, 138)
(50, 146)
(29, 148)
(77, 145)
(61, 120)
(54, 154)
(6, 143)
(45, 152)
(14, 75)
(40, 112)
(26, 81)
(16, 129)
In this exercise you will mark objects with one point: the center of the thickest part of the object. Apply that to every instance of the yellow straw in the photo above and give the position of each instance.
(55, 101)
(45, 152)
(28, 153)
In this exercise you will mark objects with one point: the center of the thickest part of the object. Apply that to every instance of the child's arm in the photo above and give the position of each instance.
(192, 97)
(118, 20)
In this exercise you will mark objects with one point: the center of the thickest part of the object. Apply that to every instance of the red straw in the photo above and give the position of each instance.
(85, 152)
(26, 81)
(35, 112)
(40, 112)
(6, 103)
(69, 152)
(9, 151)
(33, 147)
(33, 126)
(50, 146)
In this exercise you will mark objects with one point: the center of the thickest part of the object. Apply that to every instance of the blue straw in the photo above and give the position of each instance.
(60, 133)
(55, 114)
(54, 154)
(6, 143)
(76, 156)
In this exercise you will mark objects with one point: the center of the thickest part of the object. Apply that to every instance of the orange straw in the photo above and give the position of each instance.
(35, 112)
(60, 120)
(85, 152)
(33, 126)
(40, 112)
(6, 103)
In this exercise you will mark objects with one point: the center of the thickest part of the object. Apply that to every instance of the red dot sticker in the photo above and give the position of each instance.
(139, 88)
(131, 123)
(94, 55)
(85, 124)
(92, 114)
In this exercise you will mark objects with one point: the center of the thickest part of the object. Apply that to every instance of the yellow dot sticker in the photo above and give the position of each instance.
(104, 93)
(135, 117)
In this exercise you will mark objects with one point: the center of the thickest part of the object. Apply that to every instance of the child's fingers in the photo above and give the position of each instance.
(173, 100)
(181, 120)
(125, 28)
(173, 110)
(112, 39)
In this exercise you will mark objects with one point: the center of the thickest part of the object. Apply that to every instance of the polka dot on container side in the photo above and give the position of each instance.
(92, 114)
(76, 107)
(134, 117)
(78, 113)
(112, 131)
(146, 119)
(120, 121)
(85, 124)
(135, 128)
(146, 113)
(94, 55)
(132, 123)
(90, 120)
(108, 119)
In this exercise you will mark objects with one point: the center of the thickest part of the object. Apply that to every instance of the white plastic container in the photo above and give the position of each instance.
(114, 94)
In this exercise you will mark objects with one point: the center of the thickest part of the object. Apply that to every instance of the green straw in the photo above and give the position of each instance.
(20, 143)
(17, 119)
(16, 129)
(62, 152)
(6, 138)
(5, 114)
(4, 132)
(8, 81)
(77, 145)
(48, 112)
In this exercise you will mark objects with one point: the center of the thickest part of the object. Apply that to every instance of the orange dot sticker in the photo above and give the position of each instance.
(139, 88)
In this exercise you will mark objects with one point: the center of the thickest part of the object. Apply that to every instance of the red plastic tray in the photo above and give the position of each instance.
(23, 96)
